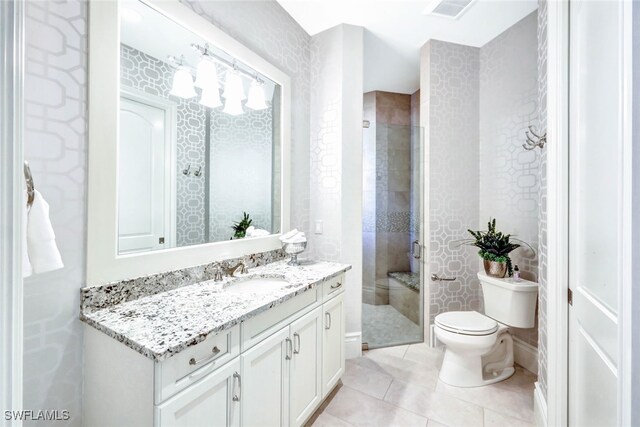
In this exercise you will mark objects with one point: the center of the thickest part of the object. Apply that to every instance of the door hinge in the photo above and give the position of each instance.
(161, 240)
(570, 296)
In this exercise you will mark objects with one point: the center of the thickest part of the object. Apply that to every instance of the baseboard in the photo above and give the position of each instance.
(539, 407)
(353, 345)
(525, 355)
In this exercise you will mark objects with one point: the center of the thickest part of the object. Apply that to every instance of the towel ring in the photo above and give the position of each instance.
(31, 191)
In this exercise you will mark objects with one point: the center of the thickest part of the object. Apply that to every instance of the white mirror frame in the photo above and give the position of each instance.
(104, 265)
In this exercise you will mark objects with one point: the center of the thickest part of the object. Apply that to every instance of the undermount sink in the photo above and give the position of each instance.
(256, 285)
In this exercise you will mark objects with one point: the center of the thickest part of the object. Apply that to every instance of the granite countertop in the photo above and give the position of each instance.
(164, 324)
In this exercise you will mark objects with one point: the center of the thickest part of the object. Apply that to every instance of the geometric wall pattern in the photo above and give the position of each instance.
(453, 96)
(542, 230)
(55, 144)
(152, 76)
(244, 140)
(240, 144)
(509, 175)
(265, 28)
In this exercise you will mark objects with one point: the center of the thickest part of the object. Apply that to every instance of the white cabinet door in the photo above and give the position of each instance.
(265, 375)
(213, 401)
(305, 366)
(332, 343)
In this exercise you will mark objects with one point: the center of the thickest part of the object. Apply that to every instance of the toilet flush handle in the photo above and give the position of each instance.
(436, 278)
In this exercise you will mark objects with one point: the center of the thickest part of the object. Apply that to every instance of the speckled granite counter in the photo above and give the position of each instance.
(164, 324)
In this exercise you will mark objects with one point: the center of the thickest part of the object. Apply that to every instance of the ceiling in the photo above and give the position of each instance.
(395, 30)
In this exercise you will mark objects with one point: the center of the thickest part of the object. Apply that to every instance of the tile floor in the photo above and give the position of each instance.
(399, 386)
(383, 325)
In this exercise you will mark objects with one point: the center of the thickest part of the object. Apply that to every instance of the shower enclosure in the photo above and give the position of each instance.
(392, 311)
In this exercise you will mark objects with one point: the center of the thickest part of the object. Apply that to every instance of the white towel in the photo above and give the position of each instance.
(289, 235)
(256, 232)
(41, 245)
(299, 237)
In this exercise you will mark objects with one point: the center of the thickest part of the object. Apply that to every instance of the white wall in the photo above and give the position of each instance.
(336, 160)
(635, 369)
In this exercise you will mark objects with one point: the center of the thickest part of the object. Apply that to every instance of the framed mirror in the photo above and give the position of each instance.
(188, 142)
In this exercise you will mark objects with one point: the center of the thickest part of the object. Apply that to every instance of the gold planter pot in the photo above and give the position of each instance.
(495, 269)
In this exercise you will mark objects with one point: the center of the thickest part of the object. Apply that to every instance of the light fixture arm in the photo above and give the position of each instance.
(205, 51)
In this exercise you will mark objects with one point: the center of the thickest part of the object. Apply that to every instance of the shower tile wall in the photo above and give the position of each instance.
(145, 73)
(542, 225)
(416, 158)
(387, 165)
(509, 181)
(450, 114)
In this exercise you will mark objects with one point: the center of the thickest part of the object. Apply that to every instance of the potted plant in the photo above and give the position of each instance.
(495, 248)
(240, 227)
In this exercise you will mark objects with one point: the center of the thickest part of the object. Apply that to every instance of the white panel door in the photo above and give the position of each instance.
(265, 375)
(142, 202)
(333, 357)
(595, 210)
(213, 401)
(305, 366)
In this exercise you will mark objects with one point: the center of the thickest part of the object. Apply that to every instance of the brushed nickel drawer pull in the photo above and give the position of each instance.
(328, 320)
(215, 350)
(337, 285)
(289, 350)
(236, 397)
(296, 348)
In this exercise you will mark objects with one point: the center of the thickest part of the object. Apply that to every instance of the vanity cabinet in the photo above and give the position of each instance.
(333, 357)
(212, 401)
(273, 369)
(282, 374)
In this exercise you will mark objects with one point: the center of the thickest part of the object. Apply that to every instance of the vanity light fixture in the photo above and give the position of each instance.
(206, 74)
(233, 107)
(182, 82)
(256, 99)
(211, 97)
(233, 87)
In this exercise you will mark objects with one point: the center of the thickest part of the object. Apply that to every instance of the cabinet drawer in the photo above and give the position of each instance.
(193, 363)
(261, 326)
(333, 286)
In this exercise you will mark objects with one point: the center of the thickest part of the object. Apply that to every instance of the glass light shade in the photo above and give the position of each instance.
(206, 74)
(233, 87)
(256, 97)
(183, 83)
(233, 107)
(211, 97)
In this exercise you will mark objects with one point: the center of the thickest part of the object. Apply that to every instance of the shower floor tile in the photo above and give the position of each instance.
(383, 325)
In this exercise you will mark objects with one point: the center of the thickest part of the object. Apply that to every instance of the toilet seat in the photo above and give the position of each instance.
(466, 323)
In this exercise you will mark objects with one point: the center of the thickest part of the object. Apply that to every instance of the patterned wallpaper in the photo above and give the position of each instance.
(453, 95)
(150, 75)
(326, 143)
(245, 140)
(269, 31)
(509, 181)
(55, 145)
(542, 220)
(240, 144)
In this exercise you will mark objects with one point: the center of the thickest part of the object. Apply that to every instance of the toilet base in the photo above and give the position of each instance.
(465, 368)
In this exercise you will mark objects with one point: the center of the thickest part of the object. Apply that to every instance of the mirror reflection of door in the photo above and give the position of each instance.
(145, 153)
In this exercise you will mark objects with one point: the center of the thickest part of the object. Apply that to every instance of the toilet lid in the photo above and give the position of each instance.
(466, 323)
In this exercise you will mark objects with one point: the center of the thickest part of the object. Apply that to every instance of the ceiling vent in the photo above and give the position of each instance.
(452, 9)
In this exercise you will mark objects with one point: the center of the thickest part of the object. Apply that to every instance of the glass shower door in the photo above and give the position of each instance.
(392, 312)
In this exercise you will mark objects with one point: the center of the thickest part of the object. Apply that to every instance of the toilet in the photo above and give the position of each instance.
(479, 347)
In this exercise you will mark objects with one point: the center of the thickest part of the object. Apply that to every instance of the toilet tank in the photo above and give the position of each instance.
(510, 302)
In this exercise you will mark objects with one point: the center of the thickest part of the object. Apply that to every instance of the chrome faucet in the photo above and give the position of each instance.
(230, 271)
